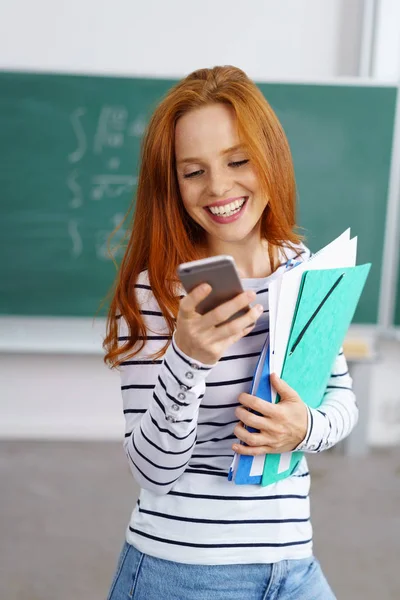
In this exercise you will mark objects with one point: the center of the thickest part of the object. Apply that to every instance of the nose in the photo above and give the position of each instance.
(219, 183)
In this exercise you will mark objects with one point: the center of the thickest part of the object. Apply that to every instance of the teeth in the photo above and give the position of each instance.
(228, 208)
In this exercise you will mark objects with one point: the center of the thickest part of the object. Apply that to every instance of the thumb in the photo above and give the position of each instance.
(284, 390)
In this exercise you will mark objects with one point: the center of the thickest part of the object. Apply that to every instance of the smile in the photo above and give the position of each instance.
(228, 212)
(227, 209)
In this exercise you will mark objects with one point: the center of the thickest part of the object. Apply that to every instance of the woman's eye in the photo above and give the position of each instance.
(235, 164)
(239, 163)
(192, 174)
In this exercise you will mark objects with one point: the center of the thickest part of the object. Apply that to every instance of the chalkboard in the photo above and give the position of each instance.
(69, 152)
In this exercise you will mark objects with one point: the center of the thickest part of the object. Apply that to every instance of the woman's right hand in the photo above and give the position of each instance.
(201, 336)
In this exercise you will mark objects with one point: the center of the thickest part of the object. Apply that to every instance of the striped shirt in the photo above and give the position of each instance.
(180, 417)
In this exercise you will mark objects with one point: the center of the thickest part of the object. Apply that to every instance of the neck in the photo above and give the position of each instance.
(252, 259)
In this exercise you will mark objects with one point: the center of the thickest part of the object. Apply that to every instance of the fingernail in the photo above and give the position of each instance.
(259, 308)
(235, 447)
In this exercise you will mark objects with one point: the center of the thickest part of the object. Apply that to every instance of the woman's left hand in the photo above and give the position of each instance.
(282, 426)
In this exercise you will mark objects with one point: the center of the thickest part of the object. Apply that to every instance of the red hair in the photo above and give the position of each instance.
(163, 235)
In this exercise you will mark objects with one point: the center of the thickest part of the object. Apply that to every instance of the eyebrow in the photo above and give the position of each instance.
(227, 151)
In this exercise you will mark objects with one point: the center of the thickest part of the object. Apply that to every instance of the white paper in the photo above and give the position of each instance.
(274, 289)
(259, 368)
(284, 462)
(257, 465)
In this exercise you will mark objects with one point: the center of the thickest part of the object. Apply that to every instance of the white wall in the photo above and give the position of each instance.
(59, 397)
(54, 394)
(53, 381)
(269, 39)
(386, 56)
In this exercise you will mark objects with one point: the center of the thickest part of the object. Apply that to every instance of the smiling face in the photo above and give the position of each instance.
(216, 176)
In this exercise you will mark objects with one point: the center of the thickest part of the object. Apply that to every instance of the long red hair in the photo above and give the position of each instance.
(162, 234)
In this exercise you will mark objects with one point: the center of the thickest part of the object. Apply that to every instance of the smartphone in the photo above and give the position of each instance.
(221, 273)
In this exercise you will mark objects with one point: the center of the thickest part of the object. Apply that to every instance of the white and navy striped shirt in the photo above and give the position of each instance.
(180, 416)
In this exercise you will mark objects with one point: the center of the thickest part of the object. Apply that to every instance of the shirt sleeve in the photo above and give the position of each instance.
(161, 402)
(337, 415)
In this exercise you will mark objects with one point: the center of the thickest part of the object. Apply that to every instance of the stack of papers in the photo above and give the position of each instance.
(311, 307)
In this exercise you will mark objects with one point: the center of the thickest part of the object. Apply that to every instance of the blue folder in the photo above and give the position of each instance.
(260, 387)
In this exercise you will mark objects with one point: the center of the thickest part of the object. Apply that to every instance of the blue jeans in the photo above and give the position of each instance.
(143, 577)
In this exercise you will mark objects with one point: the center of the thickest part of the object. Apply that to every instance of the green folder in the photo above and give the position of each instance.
(326, 304)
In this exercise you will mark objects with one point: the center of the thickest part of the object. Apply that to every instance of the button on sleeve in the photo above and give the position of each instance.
(184, 381)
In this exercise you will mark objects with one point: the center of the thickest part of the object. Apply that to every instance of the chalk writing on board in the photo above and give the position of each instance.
(110, 128)
(76, 239)
(76, 189)
(114, 127)
(116, 244)
(111, 186)
(77, 126)
(137, 127)
(114, 163)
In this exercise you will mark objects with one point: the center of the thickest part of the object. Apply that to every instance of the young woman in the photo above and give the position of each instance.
(216, 177)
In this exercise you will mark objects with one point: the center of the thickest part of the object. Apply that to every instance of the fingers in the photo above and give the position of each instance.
(268, 428)
(284, 390)
(267, 409)
(250, 419)
(251, 438)
(261, 442)
(188, 304)
(240, 326)
(231, 330)
(253, 451)
(206, 336)
(224, 311)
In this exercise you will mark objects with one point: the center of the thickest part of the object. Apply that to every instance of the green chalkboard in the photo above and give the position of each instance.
(69, 151)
